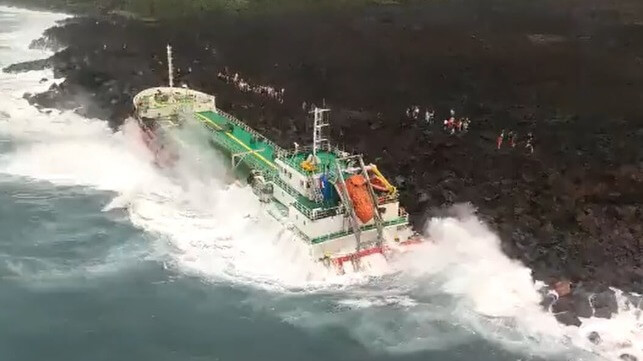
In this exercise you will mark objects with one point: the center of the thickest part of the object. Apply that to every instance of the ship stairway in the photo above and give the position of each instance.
(378, 216)
(317, 194)
(237, 158)
(348, 204)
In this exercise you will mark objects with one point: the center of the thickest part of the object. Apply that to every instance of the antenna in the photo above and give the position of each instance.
(319, 122)
(170, 68)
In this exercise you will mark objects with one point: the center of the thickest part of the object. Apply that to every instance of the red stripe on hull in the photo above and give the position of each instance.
(339, 261)
(162, 157)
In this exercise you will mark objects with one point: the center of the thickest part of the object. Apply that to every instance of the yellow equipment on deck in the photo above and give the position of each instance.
(307, 165)
(391, 189)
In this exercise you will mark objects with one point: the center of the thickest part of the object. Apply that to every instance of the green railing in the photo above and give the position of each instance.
(289, 160)
(311, 210)
(328, 237)
(232, 146)
(301, 203)
(244, 126)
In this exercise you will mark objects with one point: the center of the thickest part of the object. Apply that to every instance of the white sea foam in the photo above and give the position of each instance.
(446, 292)
(463, 277)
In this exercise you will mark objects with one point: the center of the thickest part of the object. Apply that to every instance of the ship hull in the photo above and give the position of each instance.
(337, 252)
(329, 226)
(164, 151)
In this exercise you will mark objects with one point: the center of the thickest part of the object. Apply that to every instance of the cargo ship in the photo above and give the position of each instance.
(342, 208)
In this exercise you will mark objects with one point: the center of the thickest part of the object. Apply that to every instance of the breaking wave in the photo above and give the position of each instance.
(450, 290)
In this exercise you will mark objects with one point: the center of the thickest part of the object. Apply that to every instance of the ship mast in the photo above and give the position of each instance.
(319, 122)
(170, 68)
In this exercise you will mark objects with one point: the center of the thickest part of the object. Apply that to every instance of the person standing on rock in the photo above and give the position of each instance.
(428, 116)
(512, 139)
(501, 137)
(416, 112)
(465, 124)
(529, 146)
(450, 124)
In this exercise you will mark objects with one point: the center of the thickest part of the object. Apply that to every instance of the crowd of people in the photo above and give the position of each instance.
(245, 86)
(453, 125)
(511, 139)
(413, 112)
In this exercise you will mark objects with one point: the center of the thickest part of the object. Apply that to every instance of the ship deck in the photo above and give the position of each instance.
(242, 139)
(264, 151)
(237, 138)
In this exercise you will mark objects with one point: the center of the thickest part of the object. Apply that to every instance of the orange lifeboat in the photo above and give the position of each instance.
(358, 192)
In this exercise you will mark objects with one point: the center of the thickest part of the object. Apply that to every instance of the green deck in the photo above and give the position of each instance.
(326, 161)
(264, 151)
(235, 137)
(238, 140)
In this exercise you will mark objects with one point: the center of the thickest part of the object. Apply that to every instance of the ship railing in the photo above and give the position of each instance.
(327, 212)
(237, 148)
(255, 133)
(289, 160)
(315, 213)
(302, 235)
(289, 157)
(328, 237)
(284, 186)
(151, 103)
(309, 148)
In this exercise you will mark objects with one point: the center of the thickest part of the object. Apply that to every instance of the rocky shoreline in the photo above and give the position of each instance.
(570, 211)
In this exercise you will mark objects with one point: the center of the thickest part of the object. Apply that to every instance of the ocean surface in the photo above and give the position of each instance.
(105, 257)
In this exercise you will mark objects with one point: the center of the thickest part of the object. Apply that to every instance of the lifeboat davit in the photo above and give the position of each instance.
(358, 192)
(378, 185)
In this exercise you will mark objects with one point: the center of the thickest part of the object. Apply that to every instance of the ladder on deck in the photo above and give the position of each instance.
(348, 204)
(378, 216)
(237, 158)
(317, 194)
